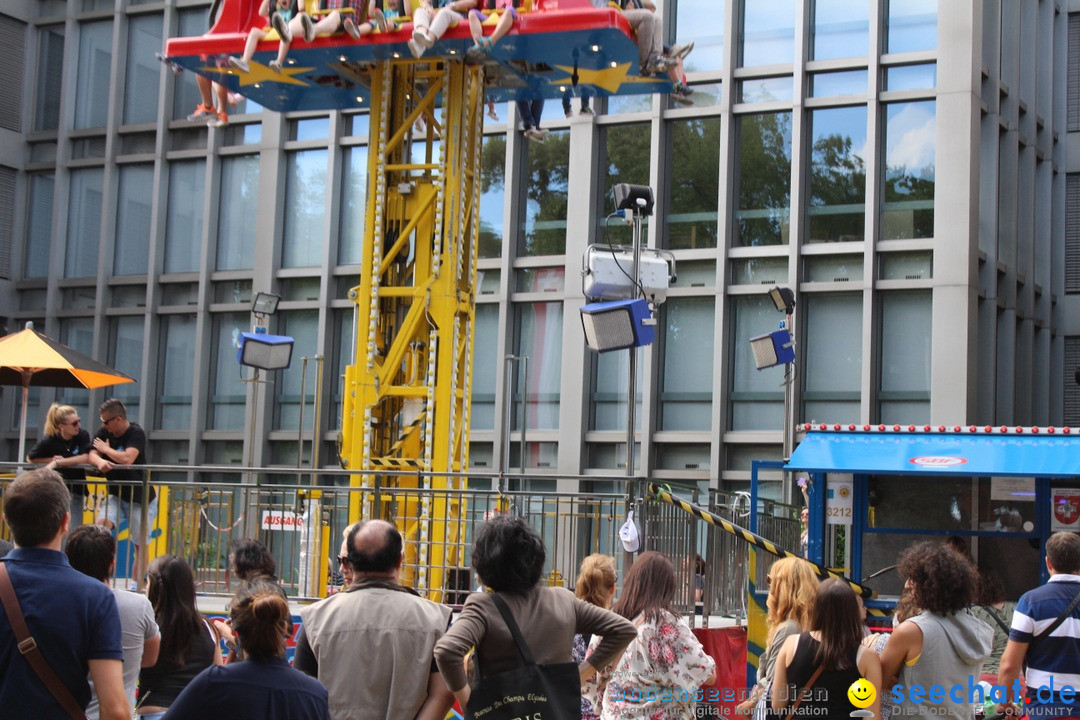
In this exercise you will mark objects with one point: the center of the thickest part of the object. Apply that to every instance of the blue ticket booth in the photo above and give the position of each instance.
(999, 491)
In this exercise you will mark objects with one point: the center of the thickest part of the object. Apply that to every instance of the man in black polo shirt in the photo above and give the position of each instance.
(119, 445)
(72, 618)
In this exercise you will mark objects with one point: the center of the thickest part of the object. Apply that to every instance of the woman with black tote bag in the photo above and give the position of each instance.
(522, 633)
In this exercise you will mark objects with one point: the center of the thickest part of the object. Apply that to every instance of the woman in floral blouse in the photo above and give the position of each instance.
(659, 674)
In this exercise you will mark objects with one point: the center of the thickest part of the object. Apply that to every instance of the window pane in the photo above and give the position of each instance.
(486, 359)
(184, 218)
(905, 357)
(95, 58)
(128, 334)
(686, 392)
(143, 69)
(832, 336)
(911, 77)
(766, 89)
(305, 209)
(236, 219)
(908, 208)
(130, 256)
(78, 334)
(544, 222)
(611, 375)
(353, 205)
(768, 32)
(837, 175)
(695, 182)
(303, 327)
(492, 192)
(177, 373)
(185, 92)
(539, 336)
(39, 225)
(757, 396)
(50, 67)
(764, 179)
(624, 155)
(841, 29)
(912, 25)
(228, 396)
(345, 344)
(832, 84)
(84, 223)
(702, 21)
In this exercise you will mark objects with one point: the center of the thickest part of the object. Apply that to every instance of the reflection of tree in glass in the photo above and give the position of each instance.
(546, 196)
(492, 170)
(695, 178)
(913, 191)
(764, 179)
(837, 178)
(304, 224)
(627, 148)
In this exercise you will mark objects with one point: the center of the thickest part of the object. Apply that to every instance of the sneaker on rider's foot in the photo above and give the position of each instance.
(275, 66)
(350, 28)
(586, 110)
(415, 48)
(279, 23)
(492, 114)
(380, 20)
(681, 50)
(220, 121)
(660, 65)
(308, 27)
(681, 94)
(240, 64)
(201, 112)
(424, 38)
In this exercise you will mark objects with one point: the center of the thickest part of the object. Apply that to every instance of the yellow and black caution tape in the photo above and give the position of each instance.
(756, 540)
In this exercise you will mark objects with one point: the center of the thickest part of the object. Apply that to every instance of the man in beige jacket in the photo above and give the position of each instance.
(371, 644)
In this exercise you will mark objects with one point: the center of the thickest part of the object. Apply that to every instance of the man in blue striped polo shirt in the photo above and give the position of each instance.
(1053, 672)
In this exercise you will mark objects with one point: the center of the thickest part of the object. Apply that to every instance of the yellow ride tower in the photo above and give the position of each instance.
(407, 394)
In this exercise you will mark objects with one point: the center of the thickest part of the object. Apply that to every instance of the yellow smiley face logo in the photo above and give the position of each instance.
(861, 693)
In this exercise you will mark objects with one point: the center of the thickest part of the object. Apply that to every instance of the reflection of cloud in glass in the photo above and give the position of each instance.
(703, 22)
(910, 138)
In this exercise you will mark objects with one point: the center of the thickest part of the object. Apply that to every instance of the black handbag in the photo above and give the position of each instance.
(530, 692)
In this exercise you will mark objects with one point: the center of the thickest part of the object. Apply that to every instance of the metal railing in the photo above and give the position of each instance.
(301, 515)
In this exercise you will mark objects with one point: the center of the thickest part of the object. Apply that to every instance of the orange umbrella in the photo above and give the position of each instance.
(30, 358)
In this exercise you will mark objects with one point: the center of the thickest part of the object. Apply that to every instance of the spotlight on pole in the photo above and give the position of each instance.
(638, 198)
(617, 325)
(265, 352)
(783, 299)
(771, 349)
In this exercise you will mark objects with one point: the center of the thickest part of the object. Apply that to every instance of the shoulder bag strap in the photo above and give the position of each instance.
(508, 618)
(1054, 626)
(29, 649)
(997, 618)
(805, 692)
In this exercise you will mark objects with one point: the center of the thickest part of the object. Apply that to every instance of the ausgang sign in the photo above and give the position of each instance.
(937, 460)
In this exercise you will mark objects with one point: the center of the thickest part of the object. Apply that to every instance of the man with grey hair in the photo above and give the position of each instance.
(380, 625)
(72, 618)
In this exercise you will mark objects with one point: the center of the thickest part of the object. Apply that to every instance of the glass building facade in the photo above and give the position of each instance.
(901, 165)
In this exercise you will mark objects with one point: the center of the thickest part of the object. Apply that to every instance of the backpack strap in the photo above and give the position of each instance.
(29, 649)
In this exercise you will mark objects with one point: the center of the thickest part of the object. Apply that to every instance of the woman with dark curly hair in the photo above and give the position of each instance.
(509, 556)
(251, 560)
(944, 644)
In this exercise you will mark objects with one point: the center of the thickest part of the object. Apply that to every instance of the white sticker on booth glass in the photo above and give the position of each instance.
(839, 497)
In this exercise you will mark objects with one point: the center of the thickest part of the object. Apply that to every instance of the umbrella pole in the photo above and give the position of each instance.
(22, 419)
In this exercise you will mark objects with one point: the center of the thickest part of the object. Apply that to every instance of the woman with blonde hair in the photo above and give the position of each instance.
(595, 585)
(66, 445)
(792, 590)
